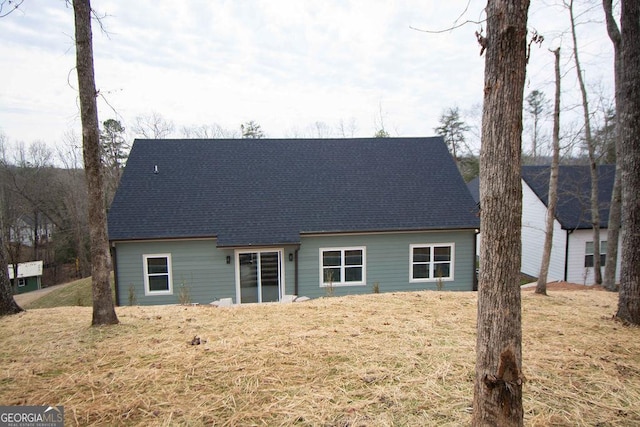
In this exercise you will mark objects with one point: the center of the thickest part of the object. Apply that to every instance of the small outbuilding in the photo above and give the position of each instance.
(29, 277)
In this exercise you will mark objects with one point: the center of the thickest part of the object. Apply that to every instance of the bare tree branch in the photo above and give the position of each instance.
(612, 26)
(468, 21)
(13, 6)
(455, 24)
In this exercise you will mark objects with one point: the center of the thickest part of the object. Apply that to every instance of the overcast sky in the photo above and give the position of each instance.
(283, 63)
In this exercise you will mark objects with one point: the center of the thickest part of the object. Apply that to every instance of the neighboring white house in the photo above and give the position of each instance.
(572, 249)
(534, 213)
(26, 227)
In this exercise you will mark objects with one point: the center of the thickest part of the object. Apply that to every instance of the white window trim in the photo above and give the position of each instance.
(363, 282)
(22, 282)
(431, 263)
(145, 272)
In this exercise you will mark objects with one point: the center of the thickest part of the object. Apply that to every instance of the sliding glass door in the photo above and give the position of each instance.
(258, 276)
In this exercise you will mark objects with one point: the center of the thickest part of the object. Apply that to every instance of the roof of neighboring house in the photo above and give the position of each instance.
(574, 192)
(269, 191)
(474, 188)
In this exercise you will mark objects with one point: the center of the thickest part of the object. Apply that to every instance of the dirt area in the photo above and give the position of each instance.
(566, 286)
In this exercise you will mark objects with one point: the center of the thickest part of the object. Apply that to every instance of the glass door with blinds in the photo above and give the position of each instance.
(259, 276)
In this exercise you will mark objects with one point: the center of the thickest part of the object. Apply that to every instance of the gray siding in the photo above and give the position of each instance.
(387, 261)
(201, 267)
(197, 264)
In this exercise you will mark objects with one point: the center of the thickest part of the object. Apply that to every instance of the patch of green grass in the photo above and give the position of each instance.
(77, 293)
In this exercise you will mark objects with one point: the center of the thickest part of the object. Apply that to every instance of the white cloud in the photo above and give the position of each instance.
(284, 63)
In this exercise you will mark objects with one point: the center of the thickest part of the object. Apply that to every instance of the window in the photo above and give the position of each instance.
(22, 283)
(342, 266)
(157, 274)
(430, 263)
(588, 253)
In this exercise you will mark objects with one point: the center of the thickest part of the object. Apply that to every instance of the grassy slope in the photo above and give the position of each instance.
(370, 360)
(77, 293)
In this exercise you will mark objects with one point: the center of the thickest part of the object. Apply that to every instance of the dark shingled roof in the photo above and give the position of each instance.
(574, 192)
(269, 191)
(474, 188)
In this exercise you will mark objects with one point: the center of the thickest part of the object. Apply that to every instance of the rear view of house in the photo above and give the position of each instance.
(255, 220)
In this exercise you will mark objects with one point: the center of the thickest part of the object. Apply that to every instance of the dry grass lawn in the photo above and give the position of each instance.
(404, 359)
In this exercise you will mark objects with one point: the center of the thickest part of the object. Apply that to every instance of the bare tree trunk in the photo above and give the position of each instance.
(541, 287)
(593, 167)
(498, 381)
(8, 304)
(613, 227)
(103, 308)
(629, 125)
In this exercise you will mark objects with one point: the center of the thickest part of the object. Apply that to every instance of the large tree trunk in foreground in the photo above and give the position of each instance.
(629, 122)
(103, 309)
(498, 382)
(8, 304)
(541, 287)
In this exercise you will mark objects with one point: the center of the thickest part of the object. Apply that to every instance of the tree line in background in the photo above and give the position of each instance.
(461, 136)
(154, 125)
(44, 209)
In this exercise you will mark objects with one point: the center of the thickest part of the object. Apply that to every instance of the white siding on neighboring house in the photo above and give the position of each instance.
(576, 271)
(534, 214)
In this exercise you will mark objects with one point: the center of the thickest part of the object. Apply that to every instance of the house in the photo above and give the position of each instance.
(572, 248)
(29, 277)
(258, 220)
(29, 227)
